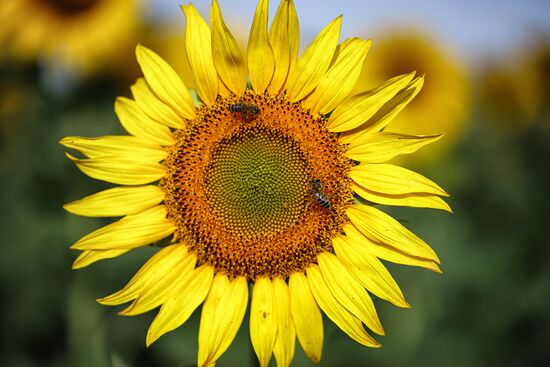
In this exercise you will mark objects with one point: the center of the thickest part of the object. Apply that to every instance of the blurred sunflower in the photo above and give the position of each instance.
(443, 104)
(259, 185)
(510, 95)
(514, 91)
(84, 35)
(538, 64)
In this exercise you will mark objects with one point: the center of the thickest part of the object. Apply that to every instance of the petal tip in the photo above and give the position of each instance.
(315, 358)
(77, 265)
(71, 157)
(64, 141)
(139, 49)
(130, 311)
(150, 339)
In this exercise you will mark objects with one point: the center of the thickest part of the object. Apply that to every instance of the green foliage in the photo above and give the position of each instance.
(488, 308)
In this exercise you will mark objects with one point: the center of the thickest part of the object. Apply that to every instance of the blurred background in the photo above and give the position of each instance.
(487, 66)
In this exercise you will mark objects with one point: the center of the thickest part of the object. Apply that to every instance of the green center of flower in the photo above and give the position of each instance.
(71, 7)
(257, 181)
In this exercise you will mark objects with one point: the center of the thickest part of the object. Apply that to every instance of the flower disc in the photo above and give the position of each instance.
(257, 181)
(239, 186)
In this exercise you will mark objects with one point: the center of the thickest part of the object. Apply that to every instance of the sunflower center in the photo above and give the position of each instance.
(257, 181)
(71, 7)
(257, 186)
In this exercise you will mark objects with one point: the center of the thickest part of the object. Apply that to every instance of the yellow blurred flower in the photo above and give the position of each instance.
(514, 91)
(443, 104)
(268, 182)
(83, 35)
(510, 95)
(538, 66)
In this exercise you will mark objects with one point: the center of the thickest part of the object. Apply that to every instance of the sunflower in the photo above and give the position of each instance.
(267, 182)
(443, 104)
(538, 65)
(514, 91)
(510, 96)
(84, 35)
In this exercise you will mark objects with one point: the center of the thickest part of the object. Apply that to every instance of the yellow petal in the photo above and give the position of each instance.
(150, 273)
(199, 53)
(415, 200)
(153, 294)
(384, 251)
(380, 227)
(226, 53)
(344, 319)
(347, 290)
(340, 79)
(120, 171)
(261, 61)
(394, 180)
(122, 146)
(369, 271)
(314, 62)
(181, 304)
(206, 350)
(89, 257)
(153, 107)
(132, 231)
(263, 322)
(383, 146)
(286, 335)
(165, 82)
(221, 318)
(307, 317)
(358, 109)
(223, 90)
(137, 123)
(385, 114)
(284, 37)
(118, 201)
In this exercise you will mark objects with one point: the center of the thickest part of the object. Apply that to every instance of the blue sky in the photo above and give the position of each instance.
(474, 30)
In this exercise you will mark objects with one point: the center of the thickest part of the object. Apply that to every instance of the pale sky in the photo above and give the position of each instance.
(474, 30)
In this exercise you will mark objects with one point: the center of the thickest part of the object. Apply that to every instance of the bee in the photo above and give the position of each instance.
(246, 109)
(318, 193)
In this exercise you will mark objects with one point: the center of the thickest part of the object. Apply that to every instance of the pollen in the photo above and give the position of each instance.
(239, 186)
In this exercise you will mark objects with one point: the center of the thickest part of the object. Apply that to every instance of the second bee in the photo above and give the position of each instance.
(245, 109)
